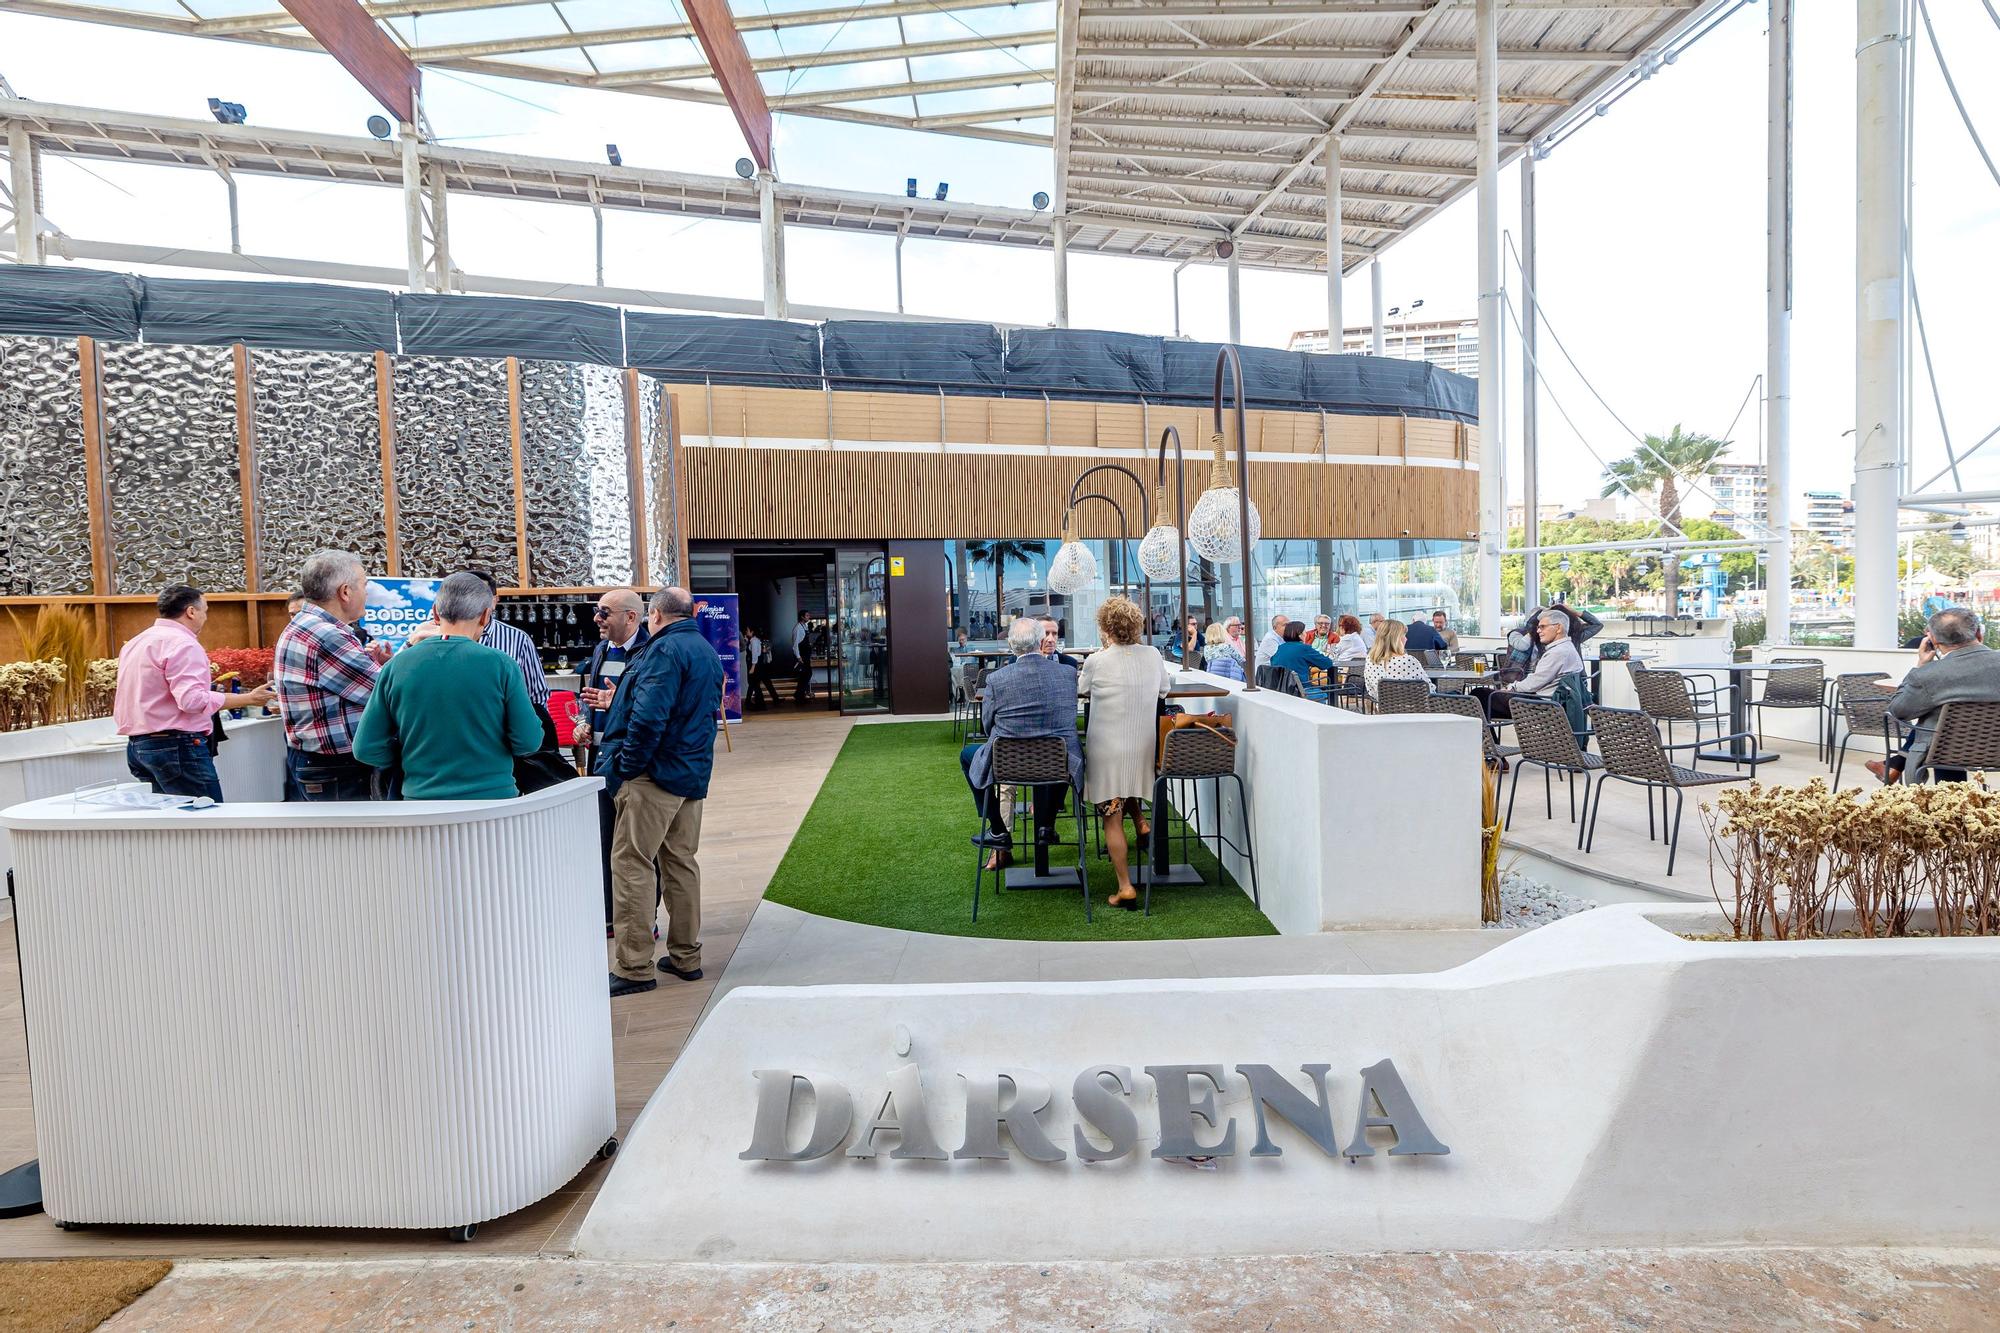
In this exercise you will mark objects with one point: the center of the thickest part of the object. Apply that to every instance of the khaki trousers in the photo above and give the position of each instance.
(654, 825)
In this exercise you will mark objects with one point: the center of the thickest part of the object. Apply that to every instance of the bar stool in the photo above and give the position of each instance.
(1030, 761)
(1203, 754)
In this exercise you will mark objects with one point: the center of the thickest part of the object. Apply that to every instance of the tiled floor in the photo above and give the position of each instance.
(761, 791)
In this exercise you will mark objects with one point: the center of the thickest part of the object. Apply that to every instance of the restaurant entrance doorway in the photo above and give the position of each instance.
(822, 610)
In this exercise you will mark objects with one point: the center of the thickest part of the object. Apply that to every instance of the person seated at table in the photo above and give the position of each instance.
(1222, 658)
(1052, 643)
(1350, 646)
(1034, 695)
(1559, 658)
(1126, 680)
(1421, 638)
(1390, 660)
(1441, 623)
(1267, 647)
(1321, 635)
(1954, 665)
(454, 713)
(1296, 657)
(1373, 629)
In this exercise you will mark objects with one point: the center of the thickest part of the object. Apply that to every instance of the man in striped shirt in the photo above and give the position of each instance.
(324, 676)
(514, 641)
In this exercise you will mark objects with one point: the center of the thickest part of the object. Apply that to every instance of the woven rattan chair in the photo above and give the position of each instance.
(1350, 687)
(1543, 729)
(1030, 761)
(965, 707)
(1282, 679)
(1798, 683)
(1967, 737)
(1634, 753)
(1203, 754)
(1402, 696)
(1861, 701)
(1464, 705)
(1670, 697)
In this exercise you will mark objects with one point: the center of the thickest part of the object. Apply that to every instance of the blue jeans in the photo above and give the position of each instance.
(327, 777)
(176, 763)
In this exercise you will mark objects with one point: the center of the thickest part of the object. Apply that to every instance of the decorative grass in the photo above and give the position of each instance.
(887, 843)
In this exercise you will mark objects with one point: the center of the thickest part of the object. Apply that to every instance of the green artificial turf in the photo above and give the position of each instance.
(887, 843)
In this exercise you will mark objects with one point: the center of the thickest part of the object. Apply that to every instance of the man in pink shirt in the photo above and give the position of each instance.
(167, 701)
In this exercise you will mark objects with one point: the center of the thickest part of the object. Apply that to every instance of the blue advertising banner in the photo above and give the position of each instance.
(397, 606)
(721, 624)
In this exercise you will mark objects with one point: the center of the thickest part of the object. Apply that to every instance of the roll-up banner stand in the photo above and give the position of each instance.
(721, 624)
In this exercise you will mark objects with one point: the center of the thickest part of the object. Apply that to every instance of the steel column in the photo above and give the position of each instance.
(1333, 250)
(440, 231)
(1375, 293)
(1531, 495)
(1881, 173)
(1492, 433)
(771, 218)
(1778, 327)
(1061, 233)
(413, 209)
(24, 172)
(1235, 302)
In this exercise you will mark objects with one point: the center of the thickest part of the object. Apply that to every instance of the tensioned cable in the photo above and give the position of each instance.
(1951, 86)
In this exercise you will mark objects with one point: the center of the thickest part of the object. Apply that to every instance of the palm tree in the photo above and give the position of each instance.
(1620, 565)
(999, 555)
(1666, 462)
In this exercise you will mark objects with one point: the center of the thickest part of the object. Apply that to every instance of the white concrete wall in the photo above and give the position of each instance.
(1599, 1082)
(1361, 822)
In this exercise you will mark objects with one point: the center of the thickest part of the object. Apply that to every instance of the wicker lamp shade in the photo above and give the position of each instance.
(1215, 526)
(1074, 567)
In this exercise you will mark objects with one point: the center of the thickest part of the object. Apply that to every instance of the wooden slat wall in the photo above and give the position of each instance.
(820, 495)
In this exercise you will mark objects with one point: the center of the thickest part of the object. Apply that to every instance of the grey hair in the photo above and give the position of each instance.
(462, 599)
(325, 571)
(1556, 618)
(1024, 636)
(671, 602)
(1954, 627)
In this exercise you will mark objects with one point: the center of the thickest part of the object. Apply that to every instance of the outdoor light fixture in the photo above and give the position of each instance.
(613, 156)
(944, 188)
(1224, 249)
(910, 187)
(228, 113)
(745, 168)
(1563, 564)
(379, 126)
(1216, 527)
(1041, 199)
(1160, 549)
(1074, 567)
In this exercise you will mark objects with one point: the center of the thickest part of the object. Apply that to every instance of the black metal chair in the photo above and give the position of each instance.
(1671, 697)
(1348, 687)
(969, 678)
(1203, 754)
(1402, 696)
(1862, 702)
(1542, 727)
(1430, 657)
(1282, 679)
(1634, 753)
(1030, 761)
(1464, 705)
(1967, 737)
(1799, 683)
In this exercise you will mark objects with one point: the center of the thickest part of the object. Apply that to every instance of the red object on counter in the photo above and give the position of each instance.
(560, 703)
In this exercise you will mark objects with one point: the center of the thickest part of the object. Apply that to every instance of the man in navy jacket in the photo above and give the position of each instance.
(655, 756)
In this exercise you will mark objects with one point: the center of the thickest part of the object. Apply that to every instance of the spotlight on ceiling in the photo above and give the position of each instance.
(1041, 199)
(1224, 249)
(379, 126)
(228, 113)
(910, 187)
(944, 188)
(613, 156)
(745, 168)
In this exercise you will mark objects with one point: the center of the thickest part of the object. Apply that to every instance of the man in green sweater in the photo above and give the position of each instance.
(450, 710)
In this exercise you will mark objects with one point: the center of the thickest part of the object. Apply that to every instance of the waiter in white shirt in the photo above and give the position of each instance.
(801, 638)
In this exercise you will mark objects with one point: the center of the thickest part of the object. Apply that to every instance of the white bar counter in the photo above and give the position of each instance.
(366, 1014)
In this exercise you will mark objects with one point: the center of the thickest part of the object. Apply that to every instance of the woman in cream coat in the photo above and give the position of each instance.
(1125, 680)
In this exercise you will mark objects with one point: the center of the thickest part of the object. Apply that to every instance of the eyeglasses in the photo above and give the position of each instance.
(600, 613)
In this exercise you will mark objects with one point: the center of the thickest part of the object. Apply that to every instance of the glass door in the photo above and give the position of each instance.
(861, 628)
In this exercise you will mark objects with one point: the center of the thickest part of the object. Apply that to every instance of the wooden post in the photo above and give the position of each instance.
(635, 473)
(385, 421)
(522, 577)
(102, 576)
(246, 479)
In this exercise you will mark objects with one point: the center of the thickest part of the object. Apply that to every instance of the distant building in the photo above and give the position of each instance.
(1742, 496)
(1450, 343)
(1829, 516)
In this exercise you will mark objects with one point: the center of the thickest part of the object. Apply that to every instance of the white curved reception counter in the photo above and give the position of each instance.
(370, 1014)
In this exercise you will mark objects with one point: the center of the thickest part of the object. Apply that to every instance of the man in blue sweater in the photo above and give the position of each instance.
(655, 755)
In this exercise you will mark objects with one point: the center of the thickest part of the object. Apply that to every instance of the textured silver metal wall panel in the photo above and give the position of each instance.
(573, 473)
(44, 497)
(662, 519)
(454, 467)
(170, 467)
(319, 460)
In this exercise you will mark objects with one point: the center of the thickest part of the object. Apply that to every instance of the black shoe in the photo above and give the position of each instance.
(1048, 837)
(627, 986)
(692, 974)
(999, 842)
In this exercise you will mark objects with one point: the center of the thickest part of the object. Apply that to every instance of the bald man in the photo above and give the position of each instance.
(621, 633)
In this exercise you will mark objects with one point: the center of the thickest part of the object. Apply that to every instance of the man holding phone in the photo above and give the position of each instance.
(621, 633)
(1954, 665)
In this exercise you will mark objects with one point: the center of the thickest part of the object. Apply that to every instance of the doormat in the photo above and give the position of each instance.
(71, 1295)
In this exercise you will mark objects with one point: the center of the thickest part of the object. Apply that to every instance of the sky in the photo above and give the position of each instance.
(1650, 221)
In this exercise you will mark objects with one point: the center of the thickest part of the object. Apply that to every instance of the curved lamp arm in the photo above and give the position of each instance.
(1180, 520)
(1145, 516)
(1226, 359)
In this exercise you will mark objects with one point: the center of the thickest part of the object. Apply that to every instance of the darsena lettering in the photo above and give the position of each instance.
(1191, 1124)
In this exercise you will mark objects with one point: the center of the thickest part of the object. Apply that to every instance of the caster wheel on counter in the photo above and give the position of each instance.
(464, 1233)
(609, 1150)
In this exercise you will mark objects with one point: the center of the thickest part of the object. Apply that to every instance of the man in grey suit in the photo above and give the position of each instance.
(1032, 696)
(1953, 666)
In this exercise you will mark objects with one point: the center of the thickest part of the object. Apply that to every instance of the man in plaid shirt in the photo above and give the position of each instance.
(324, 676)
